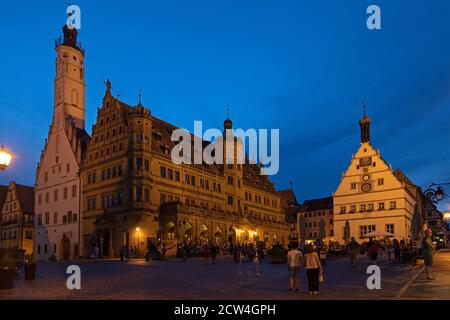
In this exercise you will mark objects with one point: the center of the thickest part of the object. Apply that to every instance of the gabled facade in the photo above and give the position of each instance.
(134, 194)
(17, 214)
(373, 197)
(57, 185)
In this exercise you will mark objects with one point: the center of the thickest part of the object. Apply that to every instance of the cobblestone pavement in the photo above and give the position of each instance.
(439, 288)
(192, 280)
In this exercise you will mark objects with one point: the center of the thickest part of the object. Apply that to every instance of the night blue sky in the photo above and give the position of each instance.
(301, 66)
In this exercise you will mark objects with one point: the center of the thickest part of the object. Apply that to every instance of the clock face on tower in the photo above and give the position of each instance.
(366, 177)
(366, 187)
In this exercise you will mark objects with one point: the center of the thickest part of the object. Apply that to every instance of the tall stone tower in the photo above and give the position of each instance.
(69, 85)
(57, 187)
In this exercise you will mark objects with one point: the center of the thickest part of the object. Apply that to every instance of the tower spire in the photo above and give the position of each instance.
(228, 124)
(140, 97)
(364, 124)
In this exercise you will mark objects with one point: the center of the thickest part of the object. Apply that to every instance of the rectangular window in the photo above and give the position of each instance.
(343, 208)
(390, 228)
(353, 186)
(362, 207)
(170, 173)
(40, 219)
(393, 205)
(68, 168)
(380, 205)
(230, 180)
(146, 165)
(177, 176)
(370, 206)
(138, 194)
(55, 195)
(119, 170)
(55, 217)
(39, 198)
(47, 197)
(162, 171)
(39, 249)
(230, 200)
(45, 249)
(139, 163)
(352, 208)
(47, 217)
(380, 181)
(65, 193)
(363, 230)
(74, 190)
(193, 180)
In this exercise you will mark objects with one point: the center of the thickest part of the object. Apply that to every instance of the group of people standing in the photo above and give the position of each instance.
(399, 248)
(309, 260)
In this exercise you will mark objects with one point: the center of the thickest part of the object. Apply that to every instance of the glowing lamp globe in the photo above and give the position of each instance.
(5, 158)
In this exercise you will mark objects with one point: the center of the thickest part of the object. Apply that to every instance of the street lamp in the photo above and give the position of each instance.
(138, 233)
(5, 158)
(436, 191)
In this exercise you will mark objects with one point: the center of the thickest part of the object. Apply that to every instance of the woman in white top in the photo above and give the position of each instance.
(313, 269)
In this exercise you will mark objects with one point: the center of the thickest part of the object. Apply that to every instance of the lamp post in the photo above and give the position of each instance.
(5, 158)
(138, 230)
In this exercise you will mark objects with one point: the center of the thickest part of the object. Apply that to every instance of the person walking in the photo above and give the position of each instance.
(389, 248)
(294, 261)
(214, 251)
(428, 250)
(396, 247)
(205, 253)
(163, 251)
(353, 250)
(374, 250)
(122, 252)
(184, 251)
(256, 263)
(313, 269)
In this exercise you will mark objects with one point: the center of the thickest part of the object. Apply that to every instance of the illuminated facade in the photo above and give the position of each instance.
(373, 197)
(17, 214)
(134, 194)
(57, 185)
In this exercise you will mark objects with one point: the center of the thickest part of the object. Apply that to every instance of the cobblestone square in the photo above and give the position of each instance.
(174, 279)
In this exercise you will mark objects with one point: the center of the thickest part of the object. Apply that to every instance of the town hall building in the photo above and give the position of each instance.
(373, 197)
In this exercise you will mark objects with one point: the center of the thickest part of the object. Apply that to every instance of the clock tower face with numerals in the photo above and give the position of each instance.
(366, 187)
